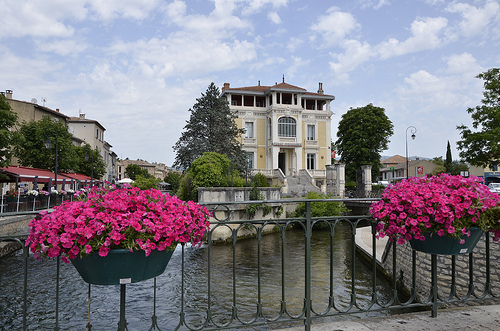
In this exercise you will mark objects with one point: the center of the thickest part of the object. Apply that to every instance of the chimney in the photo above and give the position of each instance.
(259, 82)
(8, 94)
(320, 90)
(226, 86)
(57, 109)
(82, 116)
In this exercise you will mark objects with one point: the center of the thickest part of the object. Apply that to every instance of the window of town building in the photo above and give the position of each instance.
(287, 127)
(310, 161)
(248, 129)
(310, 132)
(250, 160)
(286, 98)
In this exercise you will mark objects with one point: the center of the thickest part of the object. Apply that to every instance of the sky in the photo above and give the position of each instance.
(138, 66)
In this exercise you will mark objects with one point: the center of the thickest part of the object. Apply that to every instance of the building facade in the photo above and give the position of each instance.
(286, 128)
(92, 132)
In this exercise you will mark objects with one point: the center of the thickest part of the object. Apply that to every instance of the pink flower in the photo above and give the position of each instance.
(103, 219)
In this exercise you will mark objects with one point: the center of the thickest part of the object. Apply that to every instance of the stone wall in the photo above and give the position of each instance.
(444, 274)
(236, 212)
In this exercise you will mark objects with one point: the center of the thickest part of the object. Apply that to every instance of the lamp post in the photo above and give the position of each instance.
(413, 130)
(48, 145)
(92, 167)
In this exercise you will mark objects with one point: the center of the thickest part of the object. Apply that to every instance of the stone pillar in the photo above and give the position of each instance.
(364, 187)
(335, 180)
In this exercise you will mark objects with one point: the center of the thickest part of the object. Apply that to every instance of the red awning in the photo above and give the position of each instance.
(76, 176)
(25, 174)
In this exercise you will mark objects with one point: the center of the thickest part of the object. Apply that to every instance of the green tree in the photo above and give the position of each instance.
(146, 183)
(210, 128)
(209, 170)
(30, 145)
(174, 179)
(363, 134)
(480, 146)
(133, 170)
(89, 162)
(7, 120)
(448, 160)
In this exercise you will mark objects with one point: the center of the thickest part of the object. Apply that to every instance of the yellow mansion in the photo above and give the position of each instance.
(287, 129)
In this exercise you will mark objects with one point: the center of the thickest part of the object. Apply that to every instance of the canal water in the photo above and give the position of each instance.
(105, 300)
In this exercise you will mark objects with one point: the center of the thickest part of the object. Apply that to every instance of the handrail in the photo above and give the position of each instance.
(422, 285)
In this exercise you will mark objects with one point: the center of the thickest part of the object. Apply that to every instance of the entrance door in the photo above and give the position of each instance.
(282, 162)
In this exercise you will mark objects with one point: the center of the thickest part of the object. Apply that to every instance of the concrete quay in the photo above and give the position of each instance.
(13, 225)
(448, 319)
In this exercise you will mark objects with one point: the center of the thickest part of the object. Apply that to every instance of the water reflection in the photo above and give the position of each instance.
(330, 276)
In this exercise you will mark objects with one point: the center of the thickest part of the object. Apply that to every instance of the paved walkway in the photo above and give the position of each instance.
(463, 318)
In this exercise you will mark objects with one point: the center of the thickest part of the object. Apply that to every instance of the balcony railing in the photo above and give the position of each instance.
(233, 287)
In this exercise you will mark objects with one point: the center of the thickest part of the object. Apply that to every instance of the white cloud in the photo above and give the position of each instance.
(129, 9)
(335, 26)
(182, 54)
(425, 35)
(274, 17)
(255, 6)
(34, 18)
(62, 47)
(475, 20)
(375, 4)
(355, 54)
(463, 64)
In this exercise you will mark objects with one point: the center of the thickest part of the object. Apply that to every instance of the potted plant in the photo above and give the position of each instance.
(115, 228)
(440, 214)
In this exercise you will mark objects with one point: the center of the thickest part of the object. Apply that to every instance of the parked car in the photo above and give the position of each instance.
(494, 187)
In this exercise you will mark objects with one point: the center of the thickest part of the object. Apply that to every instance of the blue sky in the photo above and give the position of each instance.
(137, 66)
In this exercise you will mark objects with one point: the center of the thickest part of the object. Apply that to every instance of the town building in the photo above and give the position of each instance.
(92, 133)
(287, 129)
(394, 168)
(157, 170)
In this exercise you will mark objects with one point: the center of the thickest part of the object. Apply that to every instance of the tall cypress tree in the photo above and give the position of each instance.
(448, 161)
(210, 128)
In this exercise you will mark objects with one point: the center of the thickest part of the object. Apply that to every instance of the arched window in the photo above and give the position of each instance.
(287, 127)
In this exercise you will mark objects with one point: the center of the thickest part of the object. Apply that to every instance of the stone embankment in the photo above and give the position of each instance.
(13, 226)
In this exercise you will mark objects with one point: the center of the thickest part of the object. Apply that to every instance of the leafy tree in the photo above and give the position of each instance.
(210, 170)
(30, 145)
(7, 120)
(448, 161)
(211, 128)
(363, 134)
(89, 162)
(480, 145)
(174, 179)
(133, 170)
(438, 160)
(259, 180)
(146, 183)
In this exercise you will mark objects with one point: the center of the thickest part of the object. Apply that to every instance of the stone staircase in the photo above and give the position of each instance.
(299, 185)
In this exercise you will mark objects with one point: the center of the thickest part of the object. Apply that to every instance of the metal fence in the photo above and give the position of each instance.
(306, 291)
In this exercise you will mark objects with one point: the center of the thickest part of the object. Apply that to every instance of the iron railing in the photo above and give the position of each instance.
(303, 279)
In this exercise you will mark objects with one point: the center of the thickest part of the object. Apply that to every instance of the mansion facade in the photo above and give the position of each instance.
(287, 129)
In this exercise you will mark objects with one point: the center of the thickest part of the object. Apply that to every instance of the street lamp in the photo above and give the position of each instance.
(92, 167)
(413, 130)
(48, 145)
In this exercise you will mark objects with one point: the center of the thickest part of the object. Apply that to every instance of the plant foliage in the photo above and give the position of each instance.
(480, 145)
(210, 128)
(363, 134)
(7, 120)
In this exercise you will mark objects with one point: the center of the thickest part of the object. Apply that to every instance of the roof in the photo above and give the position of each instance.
(394, 160)
(74, 119)
(263, 89)
(25, 174)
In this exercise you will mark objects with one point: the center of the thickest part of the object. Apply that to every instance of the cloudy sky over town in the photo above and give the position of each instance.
(137, 66)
